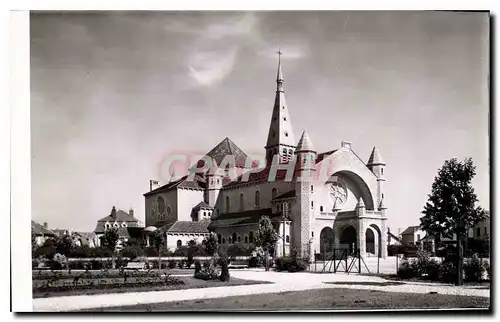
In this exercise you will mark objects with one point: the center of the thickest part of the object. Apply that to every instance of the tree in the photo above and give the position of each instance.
(210, 244)
(266, 237)
(64, 245)
(451, 208)
(159, 240)
(109, 240)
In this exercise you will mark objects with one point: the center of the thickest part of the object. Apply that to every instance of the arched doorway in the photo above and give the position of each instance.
(370, 241)
(377, 247)
(326, 242)
(348, 239)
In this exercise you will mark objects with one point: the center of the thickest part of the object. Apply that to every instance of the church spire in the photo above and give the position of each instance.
(280, 139)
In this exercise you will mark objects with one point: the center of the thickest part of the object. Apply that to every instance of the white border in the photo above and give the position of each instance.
(20, 165)
(20, 213)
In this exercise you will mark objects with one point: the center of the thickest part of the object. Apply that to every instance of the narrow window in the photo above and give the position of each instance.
(312, 204)
(179, 243)
(227, 203)
(250, 236)
(246, 239)
(287, 238)
(478, 232)
(382, 170)
(257, 198)
(219, 238)
(321, 208)
(239, 239)
(242, 199)
(234, 238)
(274, 193)
(223, 240)
(286, 134)
(312, 233)
(312, 188)
(284, 118)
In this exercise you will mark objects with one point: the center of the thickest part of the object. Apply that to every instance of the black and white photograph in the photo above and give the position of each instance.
(259, 161)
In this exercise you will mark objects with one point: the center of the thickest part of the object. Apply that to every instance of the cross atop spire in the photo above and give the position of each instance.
(279, 78)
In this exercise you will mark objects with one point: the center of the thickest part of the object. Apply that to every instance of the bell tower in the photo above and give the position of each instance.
(280, 140)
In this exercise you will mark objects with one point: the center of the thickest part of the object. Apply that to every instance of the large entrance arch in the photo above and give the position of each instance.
(348, 237)
(326, 241)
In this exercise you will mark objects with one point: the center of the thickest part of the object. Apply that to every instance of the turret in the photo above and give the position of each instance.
(213, 182)
(306, 155)
(377, 165)
(360, 207)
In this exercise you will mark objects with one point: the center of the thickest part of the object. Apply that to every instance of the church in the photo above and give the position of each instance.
(317, 201)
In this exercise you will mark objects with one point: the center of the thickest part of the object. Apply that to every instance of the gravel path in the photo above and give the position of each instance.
(282, 282)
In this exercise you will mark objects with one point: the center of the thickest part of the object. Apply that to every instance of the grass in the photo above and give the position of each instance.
(319, 299)
(189, 283)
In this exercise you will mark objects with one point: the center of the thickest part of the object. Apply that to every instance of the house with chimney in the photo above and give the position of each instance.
(128, 226)
(41, 232)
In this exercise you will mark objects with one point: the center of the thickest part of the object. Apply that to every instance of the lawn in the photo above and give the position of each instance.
(188, 282)
(320, 299)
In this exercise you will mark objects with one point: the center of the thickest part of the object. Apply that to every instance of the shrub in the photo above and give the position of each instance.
(473, 269)
(172, 264)
(197, 267)
(487, 268)
(448, 272)
(291, 264)
(224, 263)
(406, 270)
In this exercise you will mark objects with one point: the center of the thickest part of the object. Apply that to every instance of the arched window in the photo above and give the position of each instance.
(290, 152)
(160, 202)
(257, 198)
(204, 214)
(169, 211)
(287, 238)
(320, 208)
(312, 204)
(239, 239)
(179, 243)
(229, 240)
(382, 170)
(124, 225)
(246, 239)
(115, 225)
(234, 238)
(107, 226)
(223, 240)
(312, 188)
(227, 203)
(242, 200)
(274, 193)
(250, 237)
(219, 238)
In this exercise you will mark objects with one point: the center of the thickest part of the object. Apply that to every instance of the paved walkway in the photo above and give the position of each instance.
(282, 282)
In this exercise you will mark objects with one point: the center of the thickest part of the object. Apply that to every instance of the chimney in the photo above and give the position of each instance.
(45, 225)
(113, 213)
(131, 212)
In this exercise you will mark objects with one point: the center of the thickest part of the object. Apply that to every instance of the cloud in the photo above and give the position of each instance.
(208, 68)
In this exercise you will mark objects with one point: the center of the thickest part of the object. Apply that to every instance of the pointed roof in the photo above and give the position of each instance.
(361, 203)
(202, 205)
(224, 148)
(280, 129)
(375, 158)
(305, 143)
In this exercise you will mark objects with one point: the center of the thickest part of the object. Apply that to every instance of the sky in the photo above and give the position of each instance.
(113, 93)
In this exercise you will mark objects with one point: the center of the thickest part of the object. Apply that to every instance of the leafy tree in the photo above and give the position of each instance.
(159, 240)
(266, 237)
(34, 246)
(64, 245)
(109, 240)
(210, 244)
(451, 208)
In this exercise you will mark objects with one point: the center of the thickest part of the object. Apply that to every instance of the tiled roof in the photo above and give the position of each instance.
(244, 218)
(261, 176)
(224, 148)
(120, 216)
(203, 205)
(40, 230)
(191, 227)
(197, 183)
(410, 230)
(375, 157)
(305, 143)
(286, 195)
(324, 155)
